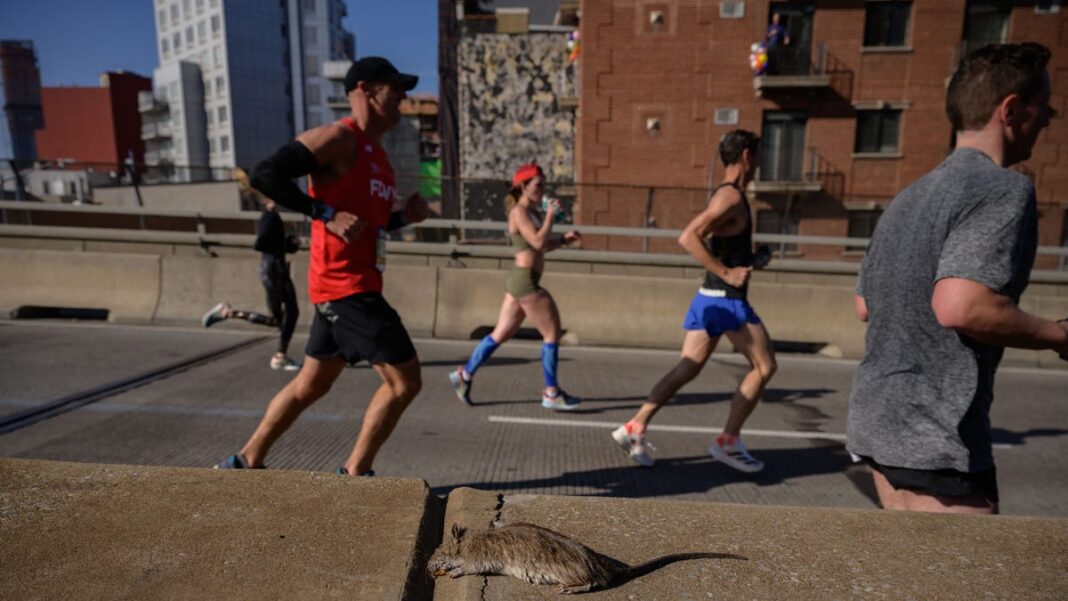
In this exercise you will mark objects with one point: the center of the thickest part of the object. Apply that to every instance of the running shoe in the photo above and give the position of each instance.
(235, 462)
(736, 456)
(561, 402)
(284, 363)
(461, 387)
(341, 471)
(635, 445)
(218, 313)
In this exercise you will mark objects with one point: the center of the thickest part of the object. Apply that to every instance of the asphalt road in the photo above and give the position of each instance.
(106, 393)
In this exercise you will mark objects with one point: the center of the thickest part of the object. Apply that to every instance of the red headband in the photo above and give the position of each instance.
(526, 173)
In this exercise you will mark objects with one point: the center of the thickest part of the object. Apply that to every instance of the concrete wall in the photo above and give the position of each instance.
(644, 308)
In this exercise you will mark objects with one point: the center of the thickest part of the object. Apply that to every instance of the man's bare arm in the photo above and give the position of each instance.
(980, 313)
(709, 222)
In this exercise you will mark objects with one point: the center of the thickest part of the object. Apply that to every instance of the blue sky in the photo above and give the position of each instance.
(77, 40)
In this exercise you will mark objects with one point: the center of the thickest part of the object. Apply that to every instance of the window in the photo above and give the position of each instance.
(878, 131)
(862, 225)
(161, 17)
(187, 8)
(309, 6)
(783, 147)
(220, 85)
(216, 25)
(189, 36)
(211, 117)
(211, 145)
(314, 120)
(216, 55)
(312, 94)
(176, 42)
(222, 114)
(200, 6)
(886, 23)
(985, 22)
(311, 34)
(774, 222)
(174, 13)
(1048, 7)
(311, 64)
(224, 144)
(202, 31)
(164, 47)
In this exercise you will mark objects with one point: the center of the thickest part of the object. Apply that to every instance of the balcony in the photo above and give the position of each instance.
(796, 69)
(798, 173)
(147, 102)
(155, 131)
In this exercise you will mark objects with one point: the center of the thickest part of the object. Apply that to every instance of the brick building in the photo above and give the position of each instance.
(852, 111)
(94, 125)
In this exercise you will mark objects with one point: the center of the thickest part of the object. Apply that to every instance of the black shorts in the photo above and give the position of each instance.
(941, 483)
(359, 327)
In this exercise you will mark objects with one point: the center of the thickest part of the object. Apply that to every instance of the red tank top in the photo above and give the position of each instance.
(368, 190)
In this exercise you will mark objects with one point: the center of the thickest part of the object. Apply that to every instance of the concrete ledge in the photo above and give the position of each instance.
(82, 531)
(792, 552)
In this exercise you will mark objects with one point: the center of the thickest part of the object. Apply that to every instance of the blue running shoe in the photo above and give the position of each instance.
(235, 462)
(561, 402)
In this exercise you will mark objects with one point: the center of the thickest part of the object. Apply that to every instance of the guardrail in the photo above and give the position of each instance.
(199, 234)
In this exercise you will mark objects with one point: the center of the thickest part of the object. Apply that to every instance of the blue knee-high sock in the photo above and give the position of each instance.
(482, 352)
(549, 358)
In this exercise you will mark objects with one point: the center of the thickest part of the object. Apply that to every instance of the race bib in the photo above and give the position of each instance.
(380, 250)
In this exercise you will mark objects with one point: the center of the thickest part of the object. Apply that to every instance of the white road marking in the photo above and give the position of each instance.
(793, 434)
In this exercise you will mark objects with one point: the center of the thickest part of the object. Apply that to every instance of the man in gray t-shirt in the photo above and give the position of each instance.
(939, 289)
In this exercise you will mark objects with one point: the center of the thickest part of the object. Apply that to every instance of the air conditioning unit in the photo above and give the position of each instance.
(732, 9)
(726, 117)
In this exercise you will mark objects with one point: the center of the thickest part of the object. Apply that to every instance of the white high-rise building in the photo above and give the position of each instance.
(259, 64)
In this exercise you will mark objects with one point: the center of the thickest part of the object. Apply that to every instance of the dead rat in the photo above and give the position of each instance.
(541, 556)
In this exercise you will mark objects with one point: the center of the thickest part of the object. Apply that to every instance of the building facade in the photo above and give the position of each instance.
(254, 70)
(851, 111)
(105, 120)
(20, 100)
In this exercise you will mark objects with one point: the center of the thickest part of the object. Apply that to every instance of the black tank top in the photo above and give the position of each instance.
(732, 251)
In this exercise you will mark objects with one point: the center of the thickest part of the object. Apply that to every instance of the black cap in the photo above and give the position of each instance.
(376, 68)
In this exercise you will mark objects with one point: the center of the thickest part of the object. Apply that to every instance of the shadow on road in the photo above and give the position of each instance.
(682, 475)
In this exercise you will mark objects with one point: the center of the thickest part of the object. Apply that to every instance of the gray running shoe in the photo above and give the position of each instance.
(461, 387)
(561, 402)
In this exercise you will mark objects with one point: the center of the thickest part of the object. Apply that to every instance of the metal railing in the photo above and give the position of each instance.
(237, 228)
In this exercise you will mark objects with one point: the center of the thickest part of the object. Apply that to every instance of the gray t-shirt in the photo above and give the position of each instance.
(922, 394)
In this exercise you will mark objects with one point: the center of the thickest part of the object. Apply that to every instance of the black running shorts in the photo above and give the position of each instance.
(941, 483)
(361, 327)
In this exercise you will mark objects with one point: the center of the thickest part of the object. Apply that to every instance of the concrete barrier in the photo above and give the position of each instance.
(86, 531)
(127, 285)
(438, 299)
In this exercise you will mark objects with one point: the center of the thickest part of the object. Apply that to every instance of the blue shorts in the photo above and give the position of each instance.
(717, 315)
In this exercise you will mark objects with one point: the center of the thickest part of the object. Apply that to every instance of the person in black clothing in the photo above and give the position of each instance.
(274, 244)
(721, 239)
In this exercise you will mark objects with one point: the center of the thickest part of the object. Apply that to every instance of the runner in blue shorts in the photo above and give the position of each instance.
(721, 239)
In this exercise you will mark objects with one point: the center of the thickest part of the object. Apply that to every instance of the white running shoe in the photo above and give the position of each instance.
(635, 445)
(736, 456)
(218, 313)
(284, 363)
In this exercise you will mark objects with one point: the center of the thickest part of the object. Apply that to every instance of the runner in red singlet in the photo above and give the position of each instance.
(352, 197)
